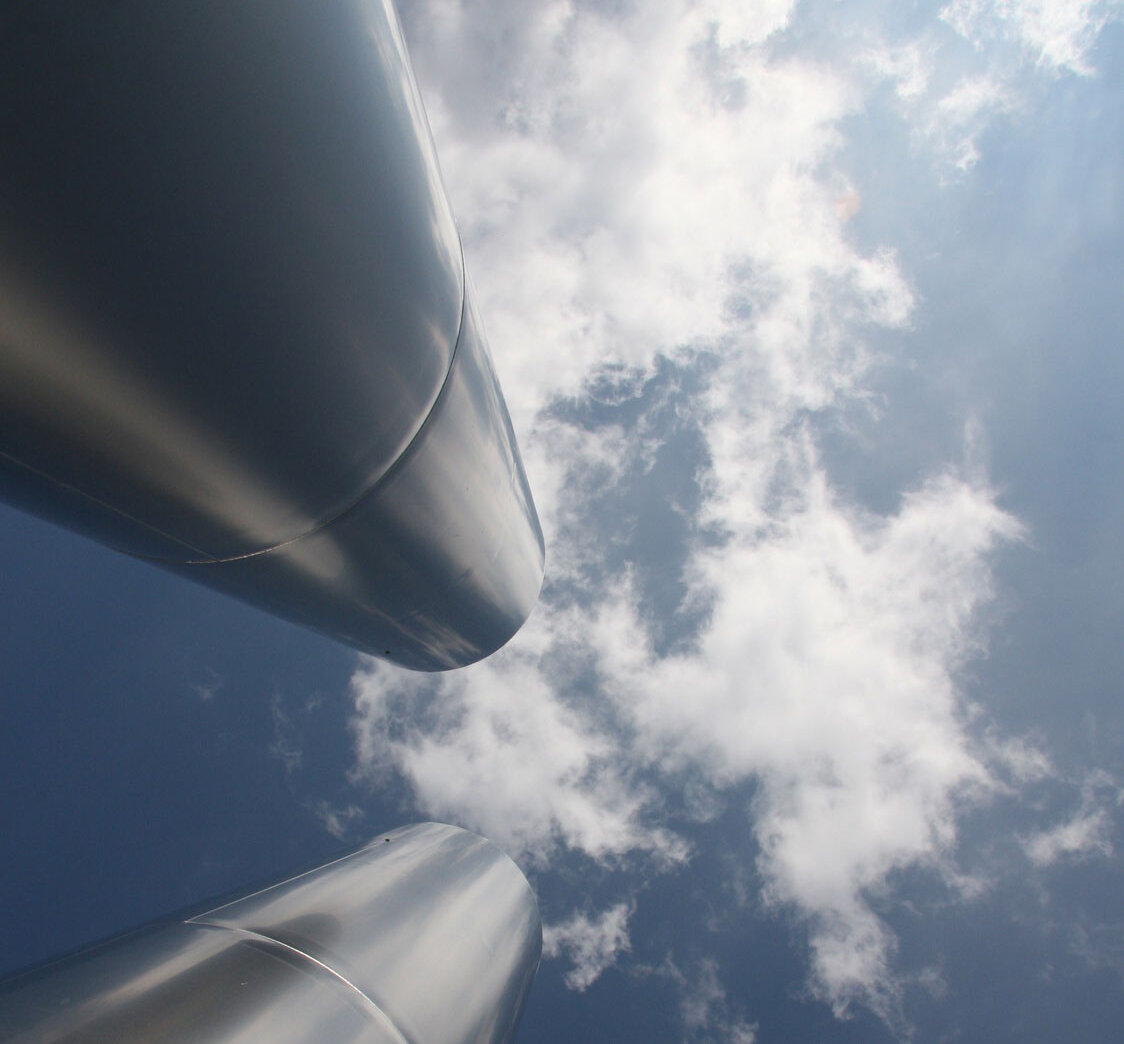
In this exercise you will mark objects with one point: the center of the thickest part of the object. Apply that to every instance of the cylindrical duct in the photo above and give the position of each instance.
(428, 935)
(236, 336)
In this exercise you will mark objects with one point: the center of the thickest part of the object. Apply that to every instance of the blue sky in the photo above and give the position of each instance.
(809, 319)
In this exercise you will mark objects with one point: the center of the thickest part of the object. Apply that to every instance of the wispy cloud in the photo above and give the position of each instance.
(285, 745)
(705, 1010)
(338, 821)
(208, 689)
(951, 95)
(1088, 832)
(1056, 34)
(591, 944)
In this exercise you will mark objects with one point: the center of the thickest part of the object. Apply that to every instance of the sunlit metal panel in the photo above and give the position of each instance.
(428, 935)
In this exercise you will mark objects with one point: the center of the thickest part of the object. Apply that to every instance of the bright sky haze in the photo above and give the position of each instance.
(809, 318)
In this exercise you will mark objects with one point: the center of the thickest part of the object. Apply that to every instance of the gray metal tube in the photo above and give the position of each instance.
(235, 325)
(428, 935)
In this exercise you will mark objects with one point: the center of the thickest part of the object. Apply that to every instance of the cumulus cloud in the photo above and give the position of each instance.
(617, 173)
(827, 673)
(498, 749)
(591, 944)
(647, 194)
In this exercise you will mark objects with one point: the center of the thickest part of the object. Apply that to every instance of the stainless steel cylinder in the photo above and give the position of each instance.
(428, 935)
(236, 337)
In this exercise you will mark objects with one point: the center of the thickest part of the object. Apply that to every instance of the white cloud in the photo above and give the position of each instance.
(909, 65)
(704, 1007)
(1083, 835)
(630, 183)
(959, 118)
(827, 673)
(591, 944)
(949, 95)
(615, 181)
(737, 24)
(497, 749)
(1057, 34)
(1087, 833)
(337, 820)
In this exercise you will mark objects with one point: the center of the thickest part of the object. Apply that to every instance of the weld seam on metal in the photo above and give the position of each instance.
(381, 1016)
(368, 490)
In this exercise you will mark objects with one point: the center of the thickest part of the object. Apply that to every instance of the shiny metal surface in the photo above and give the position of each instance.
(231, 293)
(452, 573)
(209, 214)
(429, 935)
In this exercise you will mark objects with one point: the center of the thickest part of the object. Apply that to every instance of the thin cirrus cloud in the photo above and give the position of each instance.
(1055, 34)
(650, 200)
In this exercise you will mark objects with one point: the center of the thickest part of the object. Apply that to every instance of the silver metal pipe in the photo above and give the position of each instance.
(236, 337)
(428, 935)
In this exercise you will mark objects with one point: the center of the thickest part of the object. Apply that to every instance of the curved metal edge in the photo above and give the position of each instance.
(385, 1023)
(427, 935)
(435, 924)
(441, 563)
(232, 342)
(369, 490)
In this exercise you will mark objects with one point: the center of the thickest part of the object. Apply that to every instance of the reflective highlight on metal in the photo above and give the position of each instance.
(235, 332)
(429, 935)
